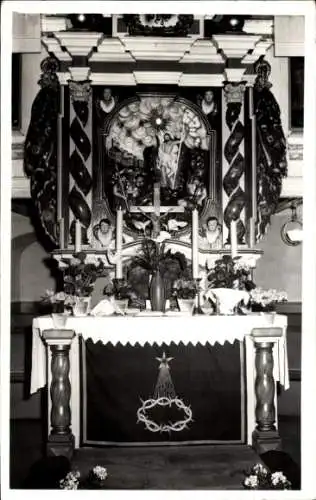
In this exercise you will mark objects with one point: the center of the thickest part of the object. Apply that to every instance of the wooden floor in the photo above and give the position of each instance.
(189, 467)
(171, 468)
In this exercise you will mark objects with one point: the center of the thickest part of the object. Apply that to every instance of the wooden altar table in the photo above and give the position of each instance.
(265, 347)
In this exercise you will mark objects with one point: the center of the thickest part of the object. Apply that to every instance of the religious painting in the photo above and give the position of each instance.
(157, 155)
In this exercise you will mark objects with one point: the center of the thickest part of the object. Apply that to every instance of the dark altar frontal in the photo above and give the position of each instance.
(116, 380)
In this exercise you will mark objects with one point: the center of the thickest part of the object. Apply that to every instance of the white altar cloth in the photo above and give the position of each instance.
(141, 330)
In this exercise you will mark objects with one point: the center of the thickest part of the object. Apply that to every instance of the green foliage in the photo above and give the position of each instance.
(228, 273)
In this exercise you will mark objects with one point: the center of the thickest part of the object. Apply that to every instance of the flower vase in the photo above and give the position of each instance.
(157, 292)
(59, 320)
(81, 307)
(227, 300)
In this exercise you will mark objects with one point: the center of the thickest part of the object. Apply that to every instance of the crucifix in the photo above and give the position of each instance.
(155, 213)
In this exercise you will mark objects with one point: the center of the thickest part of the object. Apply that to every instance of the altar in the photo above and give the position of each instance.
(163, 188)
(265, 361)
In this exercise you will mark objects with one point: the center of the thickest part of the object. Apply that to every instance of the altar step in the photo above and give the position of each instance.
(213, 467)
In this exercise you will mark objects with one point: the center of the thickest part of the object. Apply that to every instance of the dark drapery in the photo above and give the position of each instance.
(207, 378)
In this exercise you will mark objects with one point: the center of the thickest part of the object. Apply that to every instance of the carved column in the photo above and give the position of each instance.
(60, 440)
(80, 160)
(265, 437)
(234, 161)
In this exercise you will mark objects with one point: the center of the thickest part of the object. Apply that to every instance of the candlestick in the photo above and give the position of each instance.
(233, 238)
(61, 224)
(119, 239)
(78, 236)
(197, 308)
(195, 248)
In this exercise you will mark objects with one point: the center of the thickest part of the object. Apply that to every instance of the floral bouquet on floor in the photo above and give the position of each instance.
(94, 481)
(265, 300)
(260, 478)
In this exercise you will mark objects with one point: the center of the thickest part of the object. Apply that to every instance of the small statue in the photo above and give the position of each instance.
(107, 103)
(208, 105)
(211, 236)
(103, 233)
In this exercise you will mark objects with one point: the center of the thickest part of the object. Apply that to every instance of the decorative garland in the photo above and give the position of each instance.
(163, 401)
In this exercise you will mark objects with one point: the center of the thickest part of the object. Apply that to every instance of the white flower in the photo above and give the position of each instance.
(100, 472)
(251, 481)
(260, 469)
(278, 477)
(71, 481)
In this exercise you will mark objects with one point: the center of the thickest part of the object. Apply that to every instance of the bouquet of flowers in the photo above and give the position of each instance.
(260, 478)
(58, 300)
(266, 300)
(230, 273)
(185, 289)
(79, 277)
(94, 481)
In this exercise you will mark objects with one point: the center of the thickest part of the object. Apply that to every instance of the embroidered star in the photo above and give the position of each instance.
(164, 361)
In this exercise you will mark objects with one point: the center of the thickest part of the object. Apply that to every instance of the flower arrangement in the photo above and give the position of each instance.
(79, 277)
(230, 273)
(58, 300)
(185, 288)
(260, 478)
(266, 300)
(94, 480)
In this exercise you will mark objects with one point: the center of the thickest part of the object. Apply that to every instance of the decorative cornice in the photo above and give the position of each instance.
(157, 77)
(236, 46)
(112, 79)
(234, 74)
(203, 51)
(53, 47)
(260, 49)
(80, 73)
(156, 48)
(201, 80)
(78, 43)
(111, 49)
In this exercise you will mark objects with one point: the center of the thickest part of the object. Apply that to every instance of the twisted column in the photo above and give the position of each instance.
(60, 440)
(265, 436)
(80, 162)
(233, 182)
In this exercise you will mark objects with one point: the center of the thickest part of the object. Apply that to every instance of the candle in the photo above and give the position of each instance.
(119, 239)
(233, 238)
(78, 236)
(195, 249)
(61, 224)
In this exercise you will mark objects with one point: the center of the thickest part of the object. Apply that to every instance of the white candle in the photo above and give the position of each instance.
(78, 236)
(119, 240)
(195, 249)
(233, 238)
(61, 224)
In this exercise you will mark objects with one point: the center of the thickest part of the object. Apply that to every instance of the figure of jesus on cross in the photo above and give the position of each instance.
(156, 213)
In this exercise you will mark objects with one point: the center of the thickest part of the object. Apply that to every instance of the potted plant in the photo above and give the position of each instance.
(58, 302)
(260, 478)
(79, 280)
(163, 267)
(229, 283)
(265, 300)
(185, 294)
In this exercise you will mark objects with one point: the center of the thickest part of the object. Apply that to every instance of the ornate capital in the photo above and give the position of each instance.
(80, 91)
(234, 92)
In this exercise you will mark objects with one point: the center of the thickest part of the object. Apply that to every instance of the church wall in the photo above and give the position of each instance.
(280, 266)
